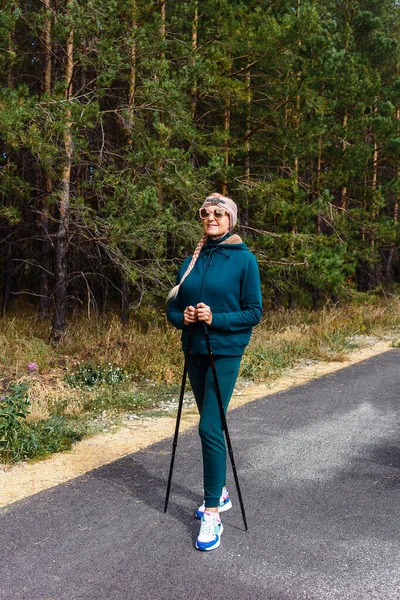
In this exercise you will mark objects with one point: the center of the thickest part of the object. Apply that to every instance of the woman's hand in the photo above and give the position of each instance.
(204, 313)
(189, 315)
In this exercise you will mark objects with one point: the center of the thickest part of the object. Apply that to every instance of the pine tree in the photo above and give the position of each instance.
(116, 119)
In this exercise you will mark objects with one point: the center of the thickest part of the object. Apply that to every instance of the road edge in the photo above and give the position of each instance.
(27, 479)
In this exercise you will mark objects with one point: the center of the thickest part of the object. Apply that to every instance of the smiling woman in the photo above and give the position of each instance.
(220, 286)
(217, 222)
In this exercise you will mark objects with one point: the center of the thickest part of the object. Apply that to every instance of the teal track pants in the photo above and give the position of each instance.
(210, 426)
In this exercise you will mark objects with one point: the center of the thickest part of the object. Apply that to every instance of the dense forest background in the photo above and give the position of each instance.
(118, 117)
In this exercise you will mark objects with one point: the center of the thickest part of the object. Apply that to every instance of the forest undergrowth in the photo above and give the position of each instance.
(52, 396)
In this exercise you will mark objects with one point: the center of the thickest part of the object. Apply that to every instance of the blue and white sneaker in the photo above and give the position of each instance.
(211, 528)
(224, 504)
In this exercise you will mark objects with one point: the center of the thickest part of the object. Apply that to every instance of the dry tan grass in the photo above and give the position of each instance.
(154, 353)
(47, 392)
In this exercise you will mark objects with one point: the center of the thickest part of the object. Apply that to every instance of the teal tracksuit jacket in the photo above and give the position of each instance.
(226, 278)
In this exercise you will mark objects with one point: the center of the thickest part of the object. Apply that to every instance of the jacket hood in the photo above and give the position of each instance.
(230, 241)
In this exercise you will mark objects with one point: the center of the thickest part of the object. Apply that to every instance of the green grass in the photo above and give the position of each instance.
(20, 439)
(103, 368)
(130, 398)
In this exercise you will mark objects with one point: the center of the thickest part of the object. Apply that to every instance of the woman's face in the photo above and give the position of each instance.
(215, 227)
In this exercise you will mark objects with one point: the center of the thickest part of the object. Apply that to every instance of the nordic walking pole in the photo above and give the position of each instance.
(223, 420)
(178, 416)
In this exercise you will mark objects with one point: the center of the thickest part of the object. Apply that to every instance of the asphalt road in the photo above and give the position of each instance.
(319, 467)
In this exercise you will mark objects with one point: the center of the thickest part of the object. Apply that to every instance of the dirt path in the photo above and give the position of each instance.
(26, 479)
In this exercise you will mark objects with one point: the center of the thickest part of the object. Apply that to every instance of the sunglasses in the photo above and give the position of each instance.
(218, 213)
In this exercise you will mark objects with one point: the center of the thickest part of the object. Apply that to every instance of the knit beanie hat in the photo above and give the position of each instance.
(213, 200)
(223, 202)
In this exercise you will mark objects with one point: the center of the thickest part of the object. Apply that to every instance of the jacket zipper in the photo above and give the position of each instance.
(202, 284)
(202, 279)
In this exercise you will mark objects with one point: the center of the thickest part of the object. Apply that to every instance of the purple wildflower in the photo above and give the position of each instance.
(32, 366)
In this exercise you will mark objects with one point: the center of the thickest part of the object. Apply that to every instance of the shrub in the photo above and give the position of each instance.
(90, 375)
(20, 440)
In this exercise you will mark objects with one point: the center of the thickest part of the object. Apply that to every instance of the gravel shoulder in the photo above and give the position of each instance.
(26, 479)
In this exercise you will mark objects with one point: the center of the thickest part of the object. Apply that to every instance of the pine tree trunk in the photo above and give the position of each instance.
(47, 47)
(291, 301)
(318, 181)
(227, 125)
(393, 250)
(125, 302)
(365, 185)
(343, 192)
(7, 282)
(296, 161)
(372, 273)
(132, 78)
(46, 246)
(46, 253)
(276, 299)
(163, 7)
(160, 161)
(193, 91)
(11, 54)
(316, 297)
(247, 173)
(7, 261)
(61, 245)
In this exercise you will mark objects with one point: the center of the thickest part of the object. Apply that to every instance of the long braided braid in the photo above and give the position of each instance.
(174, 292)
